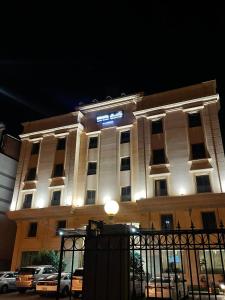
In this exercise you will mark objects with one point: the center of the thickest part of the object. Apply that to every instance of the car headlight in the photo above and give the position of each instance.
(222, 286)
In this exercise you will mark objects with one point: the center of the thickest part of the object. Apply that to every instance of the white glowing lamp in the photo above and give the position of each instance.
(111, 208)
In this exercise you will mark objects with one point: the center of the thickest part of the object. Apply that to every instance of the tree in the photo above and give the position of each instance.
(48, 257)
(136, 264)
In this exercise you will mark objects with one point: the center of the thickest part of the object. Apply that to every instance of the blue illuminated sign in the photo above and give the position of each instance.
(109, 117)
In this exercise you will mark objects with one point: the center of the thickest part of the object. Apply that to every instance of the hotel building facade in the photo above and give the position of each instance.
(160, 156)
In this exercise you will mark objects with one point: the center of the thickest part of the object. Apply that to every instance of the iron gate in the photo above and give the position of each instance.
(161, 264)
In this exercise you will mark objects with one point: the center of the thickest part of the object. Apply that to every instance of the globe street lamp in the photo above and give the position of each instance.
(111, 208)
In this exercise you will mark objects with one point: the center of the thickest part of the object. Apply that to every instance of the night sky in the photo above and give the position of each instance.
(53, 58)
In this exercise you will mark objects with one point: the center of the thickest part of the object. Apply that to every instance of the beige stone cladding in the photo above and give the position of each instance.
(138, 150)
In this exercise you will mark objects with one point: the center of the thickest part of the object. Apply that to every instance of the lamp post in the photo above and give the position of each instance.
(111, 208)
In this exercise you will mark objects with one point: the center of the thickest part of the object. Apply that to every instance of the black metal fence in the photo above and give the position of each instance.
(142, 264)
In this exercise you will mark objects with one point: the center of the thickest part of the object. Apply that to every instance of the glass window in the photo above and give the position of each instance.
(125, 137)
(209, 220)
(126, 193)
(90, 199)
(158, 156)
(92, 167)
(198, 151)
(166, 222)
(61, 144)
(93, 142)
(27, 200)
(56, 195)
(31, 175)
(161, 187)
(35, 148)
(157, 126)
(58, 170)
(26, 260)
(125, 164)
(60, 224)
(211, 260)
(194, 120)
(203, 184)
(32, 232)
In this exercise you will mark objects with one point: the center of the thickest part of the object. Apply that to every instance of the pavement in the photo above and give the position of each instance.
(29, 295)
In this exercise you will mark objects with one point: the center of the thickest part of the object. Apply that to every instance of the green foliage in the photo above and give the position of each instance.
(136, 263)
(48, 257)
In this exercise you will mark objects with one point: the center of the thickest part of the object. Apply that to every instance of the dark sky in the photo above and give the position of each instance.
(52, 58)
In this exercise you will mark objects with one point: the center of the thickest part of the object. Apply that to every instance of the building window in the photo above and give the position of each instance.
(58, 170)
(56, 195)
(198, 151)
(157, 126)
(90, 199)
(27, 258)
(194, 120)
(125, 164)
(158, 157)
(166, 222)
(31, 175)
(125, 137)
(92, 167)
(27, 200)
(35, 148)
(93, 142)
(61, 144)
(209, 220)
(161, 187)
(32, 231)
(126, 193)
(203, 184)
(210, 261)
(60, 225)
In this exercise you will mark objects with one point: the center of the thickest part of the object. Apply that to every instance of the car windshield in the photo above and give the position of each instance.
(29, 271)
(52, 277)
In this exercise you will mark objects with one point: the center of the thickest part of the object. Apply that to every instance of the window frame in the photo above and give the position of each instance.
(57, 227)
(194, 155)
(160, 162)
(89, 172)
(91, 191)
(93, 145)
(124, 140)
(60, 145)
(158, 180)
(29, 172)
(161, 221)
(122, 168)
(157, 130)
(196, 185)
(30, 233)
(35, 149)
(206, 226)
(52, 193)
(125, 198)
(189, 119)
(24, 199)
(54, 175)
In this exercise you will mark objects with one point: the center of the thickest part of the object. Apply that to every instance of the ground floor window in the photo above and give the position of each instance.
(27, 258)
(212, 261)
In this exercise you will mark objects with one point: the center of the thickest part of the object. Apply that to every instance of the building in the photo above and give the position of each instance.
(160, 156)
(9, 155)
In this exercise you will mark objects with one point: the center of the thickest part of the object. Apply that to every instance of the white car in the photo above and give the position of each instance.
(7, 281)
(160, 287)
(49, 284)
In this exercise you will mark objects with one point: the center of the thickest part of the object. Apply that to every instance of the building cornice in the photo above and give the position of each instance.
(166, 107)
(102, 105)
(55, 131)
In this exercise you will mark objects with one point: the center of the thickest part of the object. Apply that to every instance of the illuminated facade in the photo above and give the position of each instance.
(160, 156)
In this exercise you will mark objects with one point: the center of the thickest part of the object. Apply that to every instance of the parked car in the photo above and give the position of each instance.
(7, 281)
(77, 282)
(28, 276)
(48, 285)
(162, 287)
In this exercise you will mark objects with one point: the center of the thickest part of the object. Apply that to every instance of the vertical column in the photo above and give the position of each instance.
(176, 140)
(214, 146)
(108, 166)
(45, 166)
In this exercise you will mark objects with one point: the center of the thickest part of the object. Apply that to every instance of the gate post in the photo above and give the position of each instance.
(106, 262)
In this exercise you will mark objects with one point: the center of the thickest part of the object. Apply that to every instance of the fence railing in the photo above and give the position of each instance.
(142, 264)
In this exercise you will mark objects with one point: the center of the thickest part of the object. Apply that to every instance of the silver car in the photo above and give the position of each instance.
(7, 281)
(49, 284)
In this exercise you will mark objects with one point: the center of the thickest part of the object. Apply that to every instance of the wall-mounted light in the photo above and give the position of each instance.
(111, 208)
